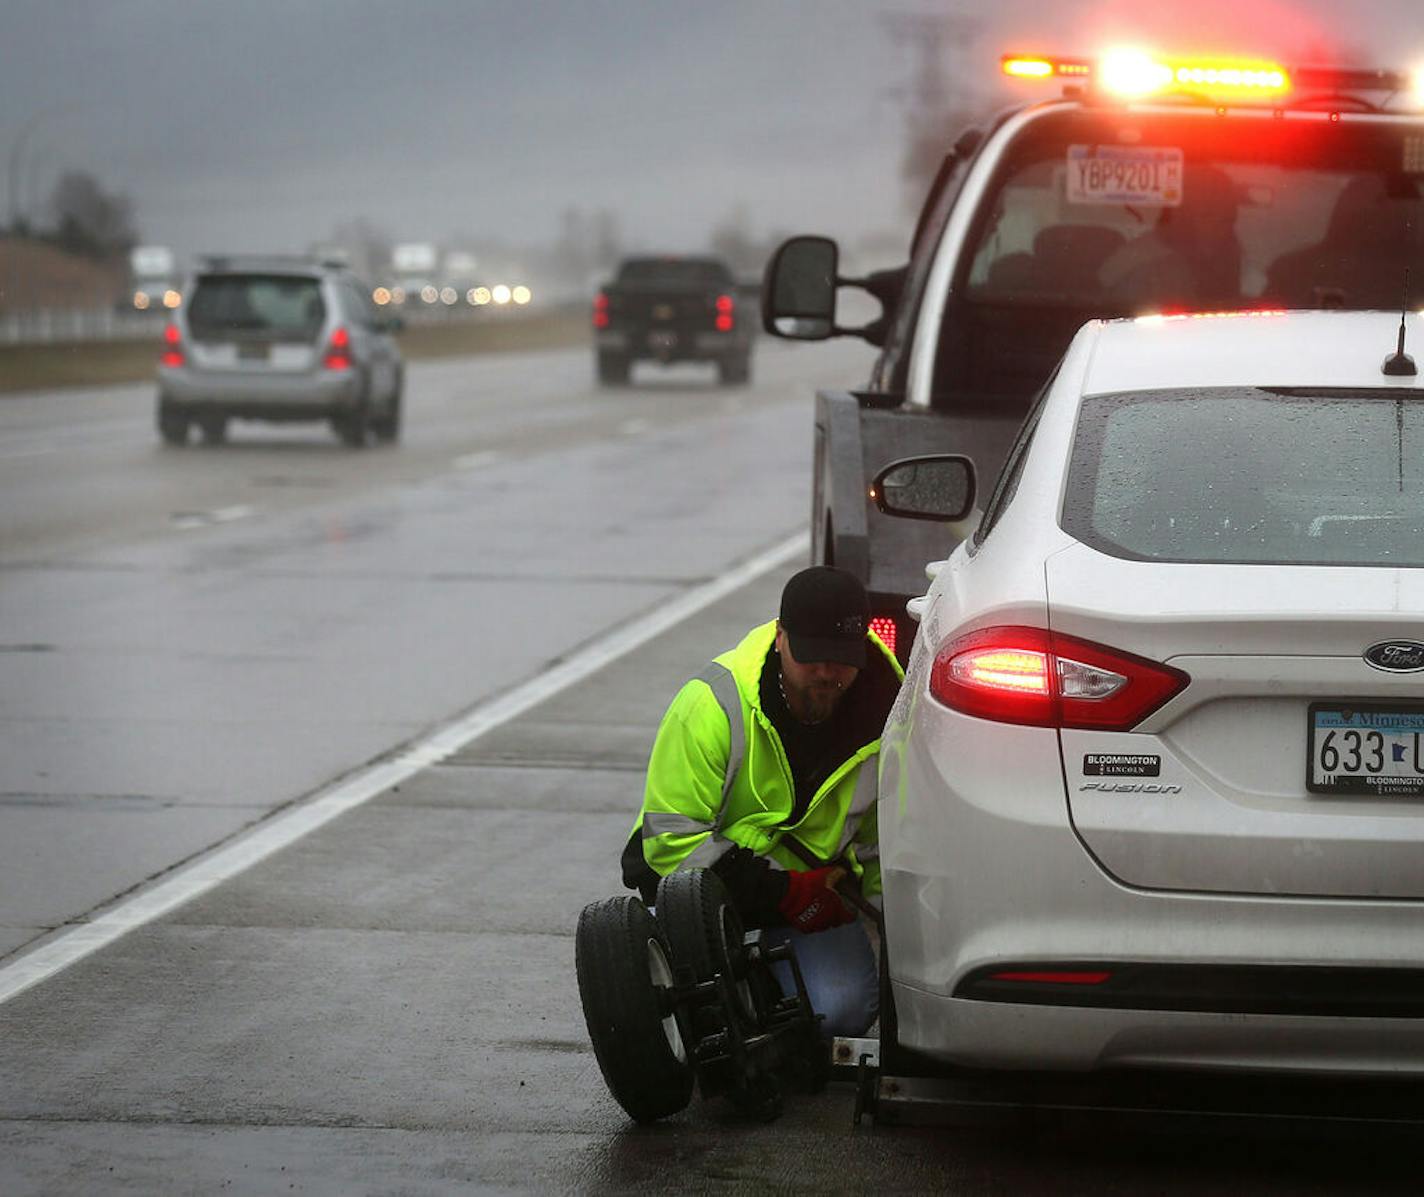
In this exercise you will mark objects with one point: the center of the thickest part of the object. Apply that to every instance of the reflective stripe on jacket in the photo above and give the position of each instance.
(719, 777)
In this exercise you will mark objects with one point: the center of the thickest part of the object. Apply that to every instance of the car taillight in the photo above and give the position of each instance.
(172, 346)
(884, 627)
(338, 350)
(600, 310)
(1043, 679)
(726, 320)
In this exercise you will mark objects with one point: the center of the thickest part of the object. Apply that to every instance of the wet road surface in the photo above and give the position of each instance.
(388, 1004)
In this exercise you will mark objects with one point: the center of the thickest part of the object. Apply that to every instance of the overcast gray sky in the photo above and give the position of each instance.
(262, 123)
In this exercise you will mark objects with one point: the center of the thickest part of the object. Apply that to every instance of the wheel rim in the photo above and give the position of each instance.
(732, 954)
(660, 973)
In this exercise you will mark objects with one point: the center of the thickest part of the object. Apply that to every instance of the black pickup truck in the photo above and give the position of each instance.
(672, 309)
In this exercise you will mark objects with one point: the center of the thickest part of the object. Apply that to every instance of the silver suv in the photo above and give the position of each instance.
(281, 339)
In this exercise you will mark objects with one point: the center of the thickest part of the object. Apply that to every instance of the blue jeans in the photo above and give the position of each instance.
(840, 972)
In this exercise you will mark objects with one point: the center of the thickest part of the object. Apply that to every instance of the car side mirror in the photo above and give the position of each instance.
(936, 487)
(799, 290)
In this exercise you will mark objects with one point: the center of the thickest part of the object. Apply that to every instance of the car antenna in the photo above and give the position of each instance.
(1399, 364)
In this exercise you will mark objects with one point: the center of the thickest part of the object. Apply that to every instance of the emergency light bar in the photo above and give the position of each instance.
(1134, 74)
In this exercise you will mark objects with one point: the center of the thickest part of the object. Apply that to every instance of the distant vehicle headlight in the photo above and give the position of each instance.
(429, 294)
(140, 301)
(448, 295)
(479, 296)
(397, 295)
(500, 294)
(171, 299)
(382, 296)
(521, 294)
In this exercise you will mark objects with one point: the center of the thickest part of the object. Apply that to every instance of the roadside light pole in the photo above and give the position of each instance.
(17, 157)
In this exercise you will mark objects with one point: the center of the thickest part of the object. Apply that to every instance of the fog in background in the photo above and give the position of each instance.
(510, 124)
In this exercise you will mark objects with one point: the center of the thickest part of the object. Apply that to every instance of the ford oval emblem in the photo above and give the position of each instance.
(1397, 656)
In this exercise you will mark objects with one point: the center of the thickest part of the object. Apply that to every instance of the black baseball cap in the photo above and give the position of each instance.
(826, 614)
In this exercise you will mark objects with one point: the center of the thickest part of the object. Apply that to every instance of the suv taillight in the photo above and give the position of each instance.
(726, 320)
(600, 310)
(338, 350)
(1036, 677)
(172, 354)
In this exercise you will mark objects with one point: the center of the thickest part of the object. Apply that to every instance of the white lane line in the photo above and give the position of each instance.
(475, 461)
(187, 520)
(285, 829)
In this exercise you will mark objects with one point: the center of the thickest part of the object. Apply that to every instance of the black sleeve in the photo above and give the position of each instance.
(755, 887)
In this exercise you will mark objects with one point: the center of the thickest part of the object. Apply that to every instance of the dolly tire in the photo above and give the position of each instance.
(705, 932)
(640, 1041)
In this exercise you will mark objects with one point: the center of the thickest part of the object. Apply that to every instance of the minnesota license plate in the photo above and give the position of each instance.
(1366, 748)
(1150, 176)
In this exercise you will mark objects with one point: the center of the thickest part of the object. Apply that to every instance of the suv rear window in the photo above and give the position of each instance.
(1251, 476)
(280, 307)
(683, 272)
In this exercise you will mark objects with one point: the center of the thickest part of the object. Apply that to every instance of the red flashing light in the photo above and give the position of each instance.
(338, 356)
(1034, 677)
(600, 310)
(884, 627)
(1053, 978)
(173, 339)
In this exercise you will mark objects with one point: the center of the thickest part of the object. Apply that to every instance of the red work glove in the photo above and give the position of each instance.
(811, 904)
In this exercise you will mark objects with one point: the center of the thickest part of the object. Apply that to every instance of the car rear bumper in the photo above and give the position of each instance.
(297, 396)
(983, 870)
(1026, 1037)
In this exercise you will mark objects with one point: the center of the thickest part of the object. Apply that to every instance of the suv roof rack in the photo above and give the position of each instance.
(221, 261)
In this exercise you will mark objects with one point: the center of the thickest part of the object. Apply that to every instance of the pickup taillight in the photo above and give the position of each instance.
(600, 310)
(726, 318)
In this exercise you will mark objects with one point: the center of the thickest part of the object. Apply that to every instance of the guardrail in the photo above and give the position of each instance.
(45, 326)
(48, 326)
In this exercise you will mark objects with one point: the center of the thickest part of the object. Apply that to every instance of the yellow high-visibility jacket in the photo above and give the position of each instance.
(718, 776)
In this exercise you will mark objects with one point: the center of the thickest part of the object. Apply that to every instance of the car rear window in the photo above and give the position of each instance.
(1251, 476)
(684, 272)
(244, 306)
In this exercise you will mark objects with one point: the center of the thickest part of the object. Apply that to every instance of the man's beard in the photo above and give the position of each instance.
(819, 701)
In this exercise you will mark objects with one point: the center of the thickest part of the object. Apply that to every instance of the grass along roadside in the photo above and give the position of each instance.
(103, 363)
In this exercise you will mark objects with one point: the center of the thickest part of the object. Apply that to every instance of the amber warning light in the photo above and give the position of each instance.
(1132, 73)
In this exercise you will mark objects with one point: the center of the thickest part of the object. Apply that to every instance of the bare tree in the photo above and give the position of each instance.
(90, 221)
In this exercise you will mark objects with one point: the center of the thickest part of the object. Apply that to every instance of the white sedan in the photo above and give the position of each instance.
(1153, 794)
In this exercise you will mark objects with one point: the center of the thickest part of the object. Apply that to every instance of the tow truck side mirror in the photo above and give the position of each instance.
(936, 487)
(798, 296)
(799, 293)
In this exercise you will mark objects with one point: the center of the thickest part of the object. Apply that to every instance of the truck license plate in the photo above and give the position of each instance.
(1366, 748)
(1150, 176)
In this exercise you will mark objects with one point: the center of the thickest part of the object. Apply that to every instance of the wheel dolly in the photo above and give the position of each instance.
(897, 1088)
(681, 994)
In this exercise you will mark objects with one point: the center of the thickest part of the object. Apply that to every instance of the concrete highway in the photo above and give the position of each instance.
(309, 758)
